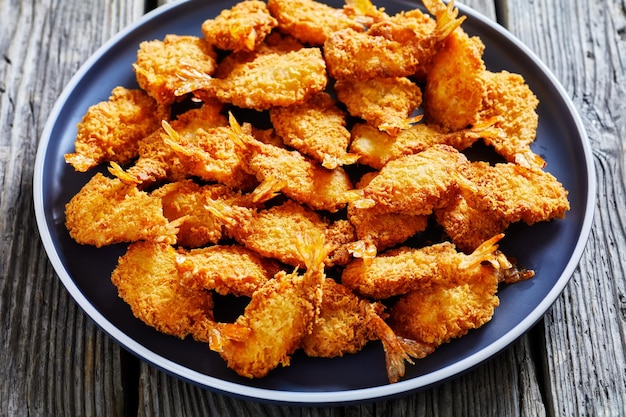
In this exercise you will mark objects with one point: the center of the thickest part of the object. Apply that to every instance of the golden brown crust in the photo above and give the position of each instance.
(386, 103)
(309, 21)
(417, 184)
(111, 130)
(107, 211)
(240, 28)
(316, 128)
(159, 63)
(147, 279)
(454, 88)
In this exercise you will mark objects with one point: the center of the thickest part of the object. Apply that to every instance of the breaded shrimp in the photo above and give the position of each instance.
(157, 161)
(159, 62)
(417, 184)
(107, 211)
(275, 43)
(420, 22)
(316, 128)
(398, 271)
(267, 80)
(346, 323)
(147, 279)
(274, 232)
(111, 130)
(356, 55)
(376, 148)
(509, 99)
(386, 103)
(187, 199)
(280, 314)
(517, 193)
(468, 227)
(502, 194)
(210, 154)
(229, 269)
(390, 48)
(378, 231)
(446, 21)
(295, 175)
(242, 27)
(461, 298)
(309, 21)
(453, 96)
(384, 230)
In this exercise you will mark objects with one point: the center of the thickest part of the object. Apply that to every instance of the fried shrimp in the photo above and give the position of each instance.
(274, 232)
(385, 103)
(107, 211)
(516, 193)
(268, 80)
(417, 184)
(376, 148)
(224, 269)
(346, 323)
(316, 128)
(241, 28)
(111, 130)
(159, 62)
(349, 154)
(280, 314)
(468, 227)
(158, 161)
(147, 279)
(210, 154)
(295, 175)
(509, 99)
(309, 21)
(352, 54)
(454, 91)
(458, 299)
(390, 47)
(378, 231)
(502, 194)
(186, 199)
(401, 270)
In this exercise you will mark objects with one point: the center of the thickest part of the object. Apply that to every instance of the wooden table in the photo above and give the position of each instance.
(55, 361)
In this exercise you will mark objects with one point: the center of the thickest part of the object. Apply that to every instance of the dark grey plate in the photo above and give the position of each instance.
(552, 249)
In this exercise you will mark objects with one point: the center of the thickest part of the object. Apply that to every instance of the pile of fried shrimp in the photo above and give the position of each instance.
(293, 154)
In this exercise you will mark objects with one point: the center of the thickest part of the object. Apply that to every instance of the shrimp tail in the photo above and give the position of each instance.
(313, 249)
(269, 188)
(193, 80)
(446, 17)
(398, 350)
(229, 215)
(115, 169)
(485, 252)
(222, 331)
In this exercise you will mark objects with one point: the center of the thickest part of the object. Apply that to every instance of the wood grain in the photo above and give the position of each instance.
(586, 328)
(54, 360)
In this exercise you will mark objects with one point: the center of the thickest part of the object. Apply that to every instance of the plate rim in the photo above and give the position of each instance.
(309, 397)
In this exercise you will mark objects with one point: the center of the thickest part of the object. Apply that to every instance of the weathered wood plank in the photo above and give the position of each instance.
(53, 360)
(586, 329)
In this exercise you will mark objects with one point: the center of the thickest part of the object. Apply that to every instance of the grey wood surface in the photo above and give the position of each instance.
(55, 361)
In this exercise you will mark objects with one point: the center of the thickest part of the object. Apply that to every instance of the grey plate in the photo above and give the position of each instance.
(552, 249)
